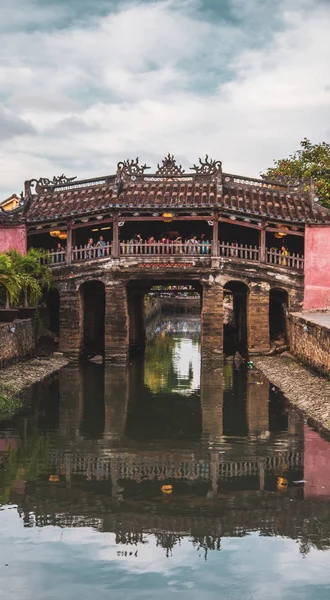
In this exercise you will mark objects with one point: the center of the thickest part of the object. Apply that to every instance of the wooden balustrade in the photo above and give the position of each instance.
(232, 251)
(164, 248)
(80, 253)
(276, 257)
(243, 252)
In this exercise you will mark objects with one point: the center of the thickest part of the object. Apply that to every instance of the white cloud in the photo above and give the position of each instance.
(157, 77)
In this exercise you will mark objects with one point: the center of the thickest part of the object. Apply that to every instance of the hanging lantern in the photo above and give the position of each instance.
(62, 235)
(282, 484)
(54, 233)
(281, 234)
(167, 217)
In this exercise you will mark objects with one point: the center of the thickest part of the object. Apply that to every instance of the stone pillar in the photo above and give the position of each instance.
(257, 405)
(136, 319)
(71, 337)
(116, 324)
(258, 319)
(212, 325)
(212, 403)
(115, 402)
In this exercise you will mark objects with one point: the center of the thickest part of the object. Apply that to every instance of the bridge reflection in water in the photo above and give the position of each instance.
(99, 444)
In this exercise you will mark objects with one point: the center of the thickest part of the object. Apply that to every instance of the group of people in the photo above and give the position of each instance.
(189, 245)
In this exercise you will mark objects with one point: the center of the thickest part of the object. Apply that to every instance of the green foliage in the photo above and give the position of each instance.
(310, 163)
(10, 281)
(9, 404)
(24, 274)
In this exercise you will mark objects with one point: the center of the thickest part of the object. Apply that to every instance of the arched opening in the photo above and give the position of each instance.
(94, 310)
(278, 303)
(235, 321)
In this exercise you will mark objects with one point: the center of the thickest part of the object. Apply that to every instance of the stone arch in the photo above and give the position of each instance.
(92, 294)
(278, 304)
(236, 295)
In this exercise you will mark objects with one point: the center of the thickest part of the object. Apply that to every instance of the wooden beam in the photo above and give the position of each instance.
(239, 223)
(69, 244)
(288, 232)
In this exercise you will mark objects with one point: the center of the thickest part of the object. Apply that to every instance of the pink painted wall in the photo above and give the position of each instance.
(316, 465)
(317, 268)
(13, 238)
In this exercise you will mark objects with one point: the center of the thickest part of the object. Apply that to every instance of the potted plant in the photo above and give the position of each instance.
(10, 287)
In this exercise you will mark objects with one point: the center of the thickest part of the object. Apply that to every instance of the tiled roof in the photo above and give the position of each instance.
(131, 190)
(175, 195)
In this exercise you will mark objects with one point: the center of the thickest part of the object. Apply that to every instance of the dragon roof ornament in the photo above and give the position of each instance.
(207, 166)
(43, 184)
(169, 167)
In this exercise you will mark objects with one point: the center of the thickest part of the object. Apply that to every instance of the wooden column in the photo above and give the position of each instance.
(262, 245)
(215, 237)
(258, 319)
(116, 324)
(115, 237)
(71, 336)
(69, 244)
(212, 326)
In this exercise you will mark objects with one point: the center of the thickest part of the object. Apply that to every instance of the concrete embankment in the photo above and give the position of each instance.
(303, 389)
(14, 379)
(310, 340)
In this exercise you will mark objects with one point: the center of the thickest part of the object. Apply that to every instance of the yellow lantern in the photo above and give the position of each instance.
(54, 233)
(168, 217)
(53, 478)
(62, 235)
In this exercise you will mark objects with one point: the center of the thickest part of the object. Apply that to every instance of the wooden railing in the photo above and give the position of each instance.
(165, 248)
(80, 253)
(232, 251)
(243, 252)
(276, 257)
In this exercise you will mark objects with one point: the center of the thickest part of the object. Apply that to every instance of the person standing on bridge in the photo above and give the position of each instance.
(100, 244)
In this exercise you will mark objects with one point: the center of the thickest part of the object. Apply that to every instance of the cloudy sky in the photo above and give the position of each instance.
(84, 84)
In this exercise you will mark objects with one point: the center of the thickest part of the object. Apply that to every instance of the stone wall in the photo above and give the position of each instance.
(16, 340)
(310, 343)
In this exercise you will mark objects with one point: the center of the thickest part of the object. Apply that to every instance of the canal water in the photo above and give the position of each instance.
(163, 480)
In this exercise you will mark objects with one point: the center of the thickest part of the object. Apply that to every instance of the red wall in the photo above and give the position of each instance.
(316, 465)
(317, 267)
(13, 238)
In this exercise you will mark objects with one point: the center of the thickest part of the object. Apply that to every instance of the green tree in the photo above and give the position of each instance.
(10, 280)
(309, 164)
(34, 276)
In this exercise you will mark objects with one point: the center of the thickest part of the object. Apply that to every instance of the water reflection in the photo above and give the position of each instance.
(97, 446)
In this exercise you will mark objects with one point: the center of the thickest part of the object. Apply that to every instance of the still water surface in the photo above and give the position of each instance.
(84, 512)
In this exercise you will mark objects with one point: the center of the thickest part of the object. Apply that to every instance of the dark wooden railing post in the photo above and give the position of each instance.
(262, 245)
(115, 236)
(215, 236)
(69, 244)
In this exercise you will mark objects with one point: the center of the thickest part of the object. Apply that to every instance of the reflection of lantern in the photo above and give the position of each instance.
(167, 489)
(62, 235)
(168, 217)
(53, 478)
(282, 484)
(54, 233)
